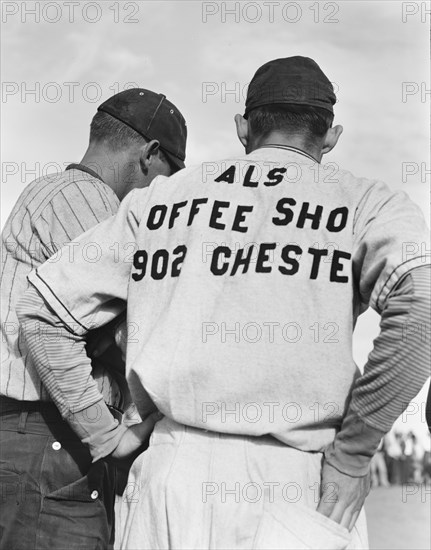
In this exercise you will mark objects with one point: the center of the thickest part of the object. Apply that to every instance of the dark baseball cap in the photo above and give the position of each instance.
(152, 116)
(295, 80)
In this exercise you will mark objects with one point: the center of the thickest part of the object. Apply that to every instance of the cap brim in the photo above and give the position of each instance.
(176, 163)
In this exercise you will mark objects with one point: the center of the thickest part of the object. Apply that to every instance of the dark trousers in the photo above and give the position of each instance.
(52, 496)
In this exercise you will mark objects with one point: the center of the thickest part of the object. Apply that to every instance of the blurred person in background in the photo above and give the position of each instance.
(417, 459)
(407, 447)
(379, 474)
(393, 452)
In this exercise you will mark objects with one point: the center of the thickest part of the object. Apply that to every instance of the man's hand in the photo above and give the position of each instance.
(342, 496)
(98, 341)
(136, 437)
(121, 337)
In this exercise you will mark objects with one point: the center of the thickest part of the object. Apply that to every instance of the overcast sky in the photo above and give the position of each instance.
(56, 70)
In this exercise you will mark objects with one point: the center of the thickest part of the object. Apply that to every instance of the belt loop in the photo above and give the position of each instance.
(22, 422)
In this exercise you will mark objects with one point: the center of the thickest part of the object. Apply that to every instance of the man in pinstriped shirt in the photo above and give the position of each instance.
(135, 136)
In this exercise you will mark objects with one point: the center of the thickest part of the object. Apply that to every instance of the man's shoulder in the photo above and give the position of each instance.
(360, 186)
(70, 189)
(366, 190)
(51, 187)
(50, 184)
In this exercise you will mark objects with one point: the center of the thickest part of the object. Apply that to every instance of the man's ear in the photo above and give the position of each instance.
(147, 154)
(242, 129)
(331, 138)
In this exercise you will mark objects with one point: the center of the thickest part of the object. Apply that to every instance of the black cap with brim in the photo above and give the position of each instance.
(291, 80)
(152, 116)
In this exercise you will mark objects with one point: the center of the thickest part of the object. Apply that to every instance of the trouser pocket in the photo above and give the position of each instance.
(76, 501)
(298, 527)
(74, 516)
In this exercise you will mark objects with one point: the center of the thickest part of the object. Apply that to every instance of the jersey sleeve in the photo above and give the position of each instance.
(85, 282)
(390, 239)
(65, 370)
(396, 370)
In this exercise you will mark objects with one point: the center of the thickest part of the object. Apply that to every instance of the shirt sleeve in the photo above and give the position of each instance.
(65, 370)
(390, 239)
(85, 283)
(395, 372)
(77, 294)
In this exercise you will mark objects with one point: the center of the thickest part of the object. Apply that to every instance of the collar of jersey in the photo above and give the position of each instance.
(84, 168)
(286, 148)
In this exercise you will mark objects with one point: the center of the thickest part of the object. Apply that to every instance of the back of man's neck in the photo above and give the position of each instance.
(276, 138)
(107, 168)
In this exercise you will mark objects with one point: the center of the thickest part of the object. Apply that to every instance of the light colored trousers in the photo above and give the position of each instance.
(194, 489)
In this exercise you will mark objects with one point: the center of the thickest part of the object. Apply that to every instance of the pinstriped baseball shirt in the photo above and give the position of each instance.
(51, 212)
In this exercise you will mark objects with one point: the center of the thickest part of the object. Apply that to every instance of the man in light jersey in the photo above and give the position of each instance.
(247, 280)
